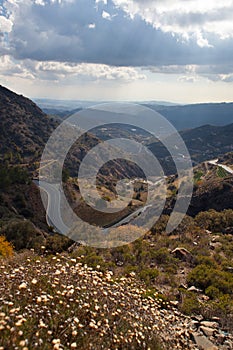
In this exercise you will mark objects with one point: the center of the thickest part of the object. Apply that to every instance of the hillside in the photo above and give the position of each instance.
(60, 303)
(24, 128)
(204, 143)
(25, 131)
(164, 291)
(213, 187)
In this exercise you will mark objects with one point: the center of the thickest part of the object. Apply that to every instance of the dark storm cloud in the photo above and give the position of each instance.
(77, 32)
(85, 31)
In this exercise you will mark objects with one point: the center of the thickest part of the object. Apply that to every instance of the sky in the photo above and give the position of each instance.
(139, 50)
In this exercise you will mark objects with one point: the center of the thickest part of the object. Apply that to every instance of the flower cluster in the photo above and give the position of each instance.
(56, 302)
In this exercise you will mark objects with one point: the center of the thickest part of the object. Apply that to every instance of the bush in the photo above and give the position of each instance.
(206, 260)
(204, 277)
(215, 221)
(161, 256)
(6, 248)
(57, 243)
(148, 275)
(23, 235)
(12, 175)
(190, 304)
(212, 292)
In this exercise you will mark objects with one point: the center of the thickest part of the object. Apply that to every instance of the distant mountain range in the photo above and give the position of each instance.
(69, 105)
(195, 115)
(181, 116)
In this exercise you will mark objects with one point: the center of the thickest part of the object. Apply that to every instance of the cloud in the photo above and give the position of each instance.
(61, 31)
(88, 71)
(186, 18)
(60, 71)
(5, 25)
(8, 67)
(64, 36)
(106, 15)
(188, 79)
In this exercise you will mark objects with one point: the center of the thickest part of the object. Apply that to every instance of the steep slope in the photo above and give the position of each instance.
(213, 187)
(204, 143)
(24, 127)
(98, 310)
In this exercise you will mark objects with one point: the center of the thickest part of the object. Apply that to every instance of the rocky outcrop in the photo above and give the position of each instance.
(182, 254)
(207, 335)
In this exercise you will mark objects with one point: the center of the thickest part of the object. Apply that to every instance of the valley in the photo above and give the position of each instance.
(144, 288)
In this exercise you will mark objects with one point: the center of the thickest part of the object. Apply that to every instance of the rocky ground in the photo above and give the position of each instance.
(56, 302)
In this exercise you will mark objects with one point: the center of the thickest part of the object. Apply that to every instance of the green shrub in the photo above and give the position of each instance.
(206, 260)
(23, 235)
(212, 292)
(56, 243)
(204, 276)
(161, 256)
(148, 275)
(190, 304)
(215, 221)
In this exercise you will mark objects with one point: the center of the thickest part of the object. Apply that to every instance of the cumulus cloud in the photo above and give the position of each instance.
(61, 31)
(106, 39)
(8, 67)
(5, 25)
(192, 73)
(187, 18)
(106, 15)
(59, 71)
(92, 71)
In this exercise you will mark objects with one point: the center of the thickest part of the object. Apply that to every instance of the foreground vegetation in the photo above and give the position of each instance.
(208, 265)
(55, 302)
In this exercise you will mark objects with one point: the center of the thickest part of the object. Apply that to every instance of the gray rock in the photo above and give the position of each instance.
(194, 324)
(220, 338)
(182, 254)
(209, 332)
(209, 324)
(204, 343)
(194, 289)
(198, 318)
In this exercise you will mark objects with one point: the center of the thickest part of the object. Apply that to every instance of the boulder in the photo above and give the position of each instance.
(198, 317)
(182, 254)
(209, 324)
(194, 289)
(215, 245)
(204, 343)
(209, 332)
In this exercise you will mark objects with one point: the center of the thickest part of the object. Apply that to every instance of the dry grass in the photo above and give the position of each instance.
(56, 302)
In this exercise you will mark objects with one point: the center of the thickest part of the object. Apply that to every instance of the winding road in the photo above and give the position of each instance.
(53, 211)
